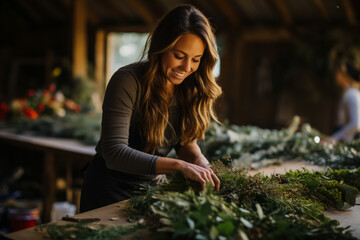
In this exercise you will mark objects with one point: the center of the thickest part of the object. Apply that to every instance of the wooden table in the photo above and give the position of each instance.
(349, 217)
(67, 149)
(114, 214)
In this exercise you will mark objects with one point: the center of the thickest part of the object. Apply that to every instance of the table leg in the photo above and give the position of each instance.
(49, 185)
(69, 190)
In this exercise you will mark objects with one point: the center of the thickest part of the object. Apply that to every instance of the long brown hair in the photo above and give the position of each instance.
(196, 95)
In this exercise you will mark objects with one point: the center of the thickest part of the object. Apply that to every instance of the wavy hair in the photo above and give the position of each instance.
(195, 95)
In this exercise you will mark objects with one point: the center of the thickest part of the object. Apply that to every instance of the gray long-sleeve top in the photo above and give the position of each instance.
(121, 143)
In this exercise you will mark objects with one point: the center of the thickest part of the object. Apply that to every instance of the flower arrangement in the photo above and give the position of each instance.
(50, 102)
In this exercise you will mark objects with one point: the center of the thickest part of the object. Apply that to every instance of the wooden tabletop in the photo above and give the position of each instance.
(42, 143)
(114, 214)
(349, 217)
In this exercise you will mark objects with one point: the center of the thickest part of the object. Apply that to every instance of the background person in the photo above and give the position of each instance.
(348, 114)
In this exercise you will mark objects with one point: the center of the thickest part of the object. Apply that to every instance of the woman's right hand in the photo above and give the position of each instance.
(200, 174)
(189, 170)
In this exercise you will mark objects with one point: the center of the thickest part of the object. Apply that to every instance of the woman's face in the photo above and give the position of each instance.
(182, 60)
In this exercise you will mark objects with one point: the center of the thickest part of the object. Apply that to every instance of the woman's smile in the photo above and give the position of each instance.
(178, 74)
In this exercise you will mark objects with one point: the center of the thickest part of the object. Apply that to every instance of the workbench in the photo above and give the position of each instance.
(116, 214)
(106, 215)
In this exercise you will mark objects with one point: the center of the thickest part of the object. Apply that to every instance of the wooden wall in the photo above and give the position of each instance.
(258, 92)
(249, 61)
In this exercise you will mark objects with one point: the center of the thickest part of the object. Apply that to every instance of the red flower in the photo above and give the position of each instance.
(41, 107)
(52, 87)
(46, 93)
(31, 113)
(70, 104)
(3, 110)
(31, 92)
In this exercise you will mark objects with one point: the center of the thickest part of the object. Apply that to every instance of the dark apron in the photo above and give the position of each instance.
(103, 186)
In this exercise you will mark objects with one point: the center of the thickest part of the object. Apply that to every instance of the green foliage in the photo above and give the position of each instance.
(342, 155)
(350, 177)
(289, 206)
(84, 127)
(86, 231)
(252, 147)
(207, 216)
(329, 191)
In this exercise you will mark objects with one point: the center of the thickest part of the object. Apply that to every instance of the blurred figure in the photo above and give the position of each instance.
(348, 114)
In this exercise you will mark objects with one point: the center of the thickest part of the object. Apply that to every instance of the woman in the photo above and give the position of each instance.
(153, 106)
(348, 116)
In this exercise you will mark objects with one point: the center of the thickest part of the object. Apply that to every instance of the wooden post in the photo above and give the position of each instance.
(100, 63)
(68, 176)
(109, 56)
(49, 185)
(79, 40)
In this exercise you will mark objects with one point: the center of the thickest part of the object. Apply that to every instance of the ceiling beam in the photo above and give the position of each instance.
(228, 11)
(92, 17)
(10, 15)
(113, 10)
(51, 8)
(30, 10)
(322, 8)
(349, 12)
(145, 14)
(127, 28)
(283, 10)
(262, 34)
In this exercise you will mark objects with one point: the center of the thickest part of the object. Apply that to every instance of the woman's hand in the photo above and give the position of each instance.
(191, 153)
(201, 174)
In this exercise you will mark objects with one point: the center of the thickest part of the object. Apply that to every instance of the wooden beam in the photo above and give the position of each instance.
(283, 10)
(128, 28)
(144, 13)
(49, 177)
(100, 62)
(79, 39)
(321, 7)
(113, 10)
(349, 12)
(93, 17)
(229, 12)
(12, 17)
(265, 35)
(29, 9)
(110, 42)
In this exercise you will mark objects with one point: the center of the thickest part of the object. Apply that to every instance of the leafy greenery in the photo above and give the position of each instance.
(350, 177)
(84, 127)
(290, 205)
(248, 146)
(340, 156)
(86, 231)
(253, 147)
